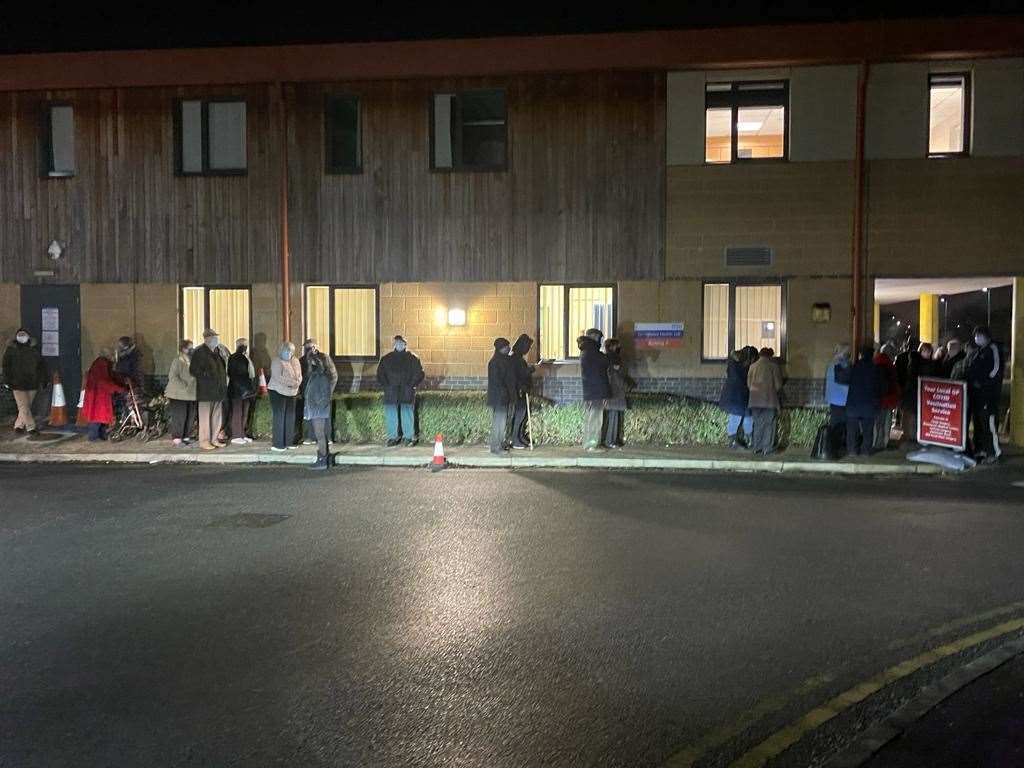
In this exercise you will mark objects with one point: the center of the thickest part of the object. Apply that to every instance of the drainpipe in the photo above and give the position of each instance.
(858, 211)
(283, 215)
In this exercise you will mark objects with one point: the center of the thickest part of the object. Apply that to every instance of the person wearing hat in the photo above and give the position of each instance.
(502, 391)
(984, 388)
(310, 352)
(594, 372)
(399, 373)
(208, 367)
(24, 372)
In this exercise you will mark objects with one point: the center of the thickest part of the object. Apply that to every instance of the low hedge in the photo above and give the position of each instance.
(463, 417)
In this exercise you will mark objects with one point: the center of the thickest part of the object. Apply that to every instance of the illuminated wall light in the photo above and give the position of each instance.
(440, 316)
(456, 317)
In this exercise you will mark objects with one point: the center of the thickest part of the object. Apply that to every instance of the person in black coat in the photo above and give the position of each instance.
(24, 372)
(863, 402)
(502, 391)
(594, 372)
(241, 390)
(736, 395)
(984, 390)
(523, 373)
(399, 373)
(920, 363)
(210, 372)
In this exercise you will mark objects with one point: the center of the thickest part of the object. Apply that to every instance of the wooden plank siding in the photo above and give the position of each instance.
(582, 199)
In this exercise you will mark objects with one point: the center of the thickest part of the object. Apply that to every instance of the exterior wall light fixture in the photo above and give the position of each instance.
(456, 317)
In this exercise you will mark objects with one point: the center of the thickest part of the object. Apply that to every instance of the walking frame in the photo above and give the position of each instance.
(529, 420)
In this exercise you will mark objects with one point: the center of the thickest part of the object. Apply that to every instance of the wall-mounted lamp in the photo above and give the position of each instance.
(456, 317)
(54, 251)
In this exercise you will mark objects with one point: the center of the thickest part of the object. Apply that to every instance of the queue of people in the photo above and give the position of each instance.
(751, 399)
(866, 396)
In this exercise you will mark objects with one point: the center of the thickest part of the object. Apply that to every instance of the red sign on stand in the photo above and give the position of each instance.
(942, 413)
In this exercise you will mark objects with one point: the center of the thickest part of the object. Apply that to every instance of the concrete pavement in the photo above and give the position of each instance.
(221, 616)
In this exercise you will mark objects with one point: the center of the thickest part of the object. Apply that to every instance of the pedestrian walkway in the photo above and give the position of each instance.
(979, 725)
(72, 447)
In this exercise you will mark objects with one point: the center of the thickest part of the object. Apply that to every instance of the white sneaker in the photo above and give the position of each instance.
(309, 442)
(246, 440)
(238, 441)
(186, 440)
(275, 448)
(292, 447)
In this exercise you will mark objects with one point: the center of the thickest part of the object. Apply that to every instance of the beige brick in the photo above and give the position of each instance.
(386, 290)
(405, 289)
(480, 316)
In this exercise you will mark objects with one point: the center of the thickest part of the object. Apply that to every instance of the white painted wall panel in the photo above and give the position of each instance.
(685, 115)
(897, 111)
(998, 115)
(823, 113)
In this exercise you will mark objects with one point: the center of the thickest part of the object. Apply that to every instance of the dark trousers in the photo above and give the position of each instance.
(239, 416)
(320, 430)
(519, 423)
(836, 415)
(97, 430)
(282, 408)
(181, 416)
(763, 440)
(499, 426)
(984, 415)
(613, 428)
(860, 435)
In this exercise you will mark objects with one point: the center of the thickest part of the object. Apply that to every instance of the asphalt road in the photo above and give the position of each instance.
(216, 616)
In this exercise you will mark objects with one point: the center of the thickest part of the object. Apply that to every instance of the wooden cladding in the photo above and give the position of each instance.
(582, 197)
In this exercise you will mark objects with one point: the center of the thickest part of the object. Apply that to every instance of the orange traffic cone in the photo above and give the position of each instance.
(58, 405)
(263, 384)
(439, 462)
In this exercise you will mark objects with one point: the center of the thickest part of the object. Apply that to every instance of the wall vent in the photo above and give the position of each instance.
(749, 256)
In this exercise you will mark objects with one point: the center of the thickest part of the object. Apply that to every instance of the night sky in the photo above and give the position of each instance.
(66, 26)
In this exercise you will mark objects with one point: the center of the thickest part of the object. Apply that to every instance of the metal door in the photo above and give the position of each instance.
(53, 315)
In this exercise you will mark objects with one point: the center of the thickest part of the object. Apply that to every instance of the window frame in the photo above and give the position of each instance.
(735, 99)
(567, 342)
(966, 137)
(205, 133)
(48, 170)
(458, 166)
(336, 169)
(733, 284)
(332, 287)
(206, 307)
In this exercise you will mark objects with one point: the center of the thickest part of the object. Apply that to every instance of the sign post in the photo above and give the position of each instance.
(942, 413)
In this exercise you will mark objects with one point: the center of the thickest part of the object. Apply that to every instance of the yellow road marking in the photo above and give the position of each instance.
(691, 753)
(781, 740)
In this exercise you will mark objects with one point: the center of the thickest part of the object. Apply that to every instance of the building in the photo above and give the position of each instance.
(750, 184)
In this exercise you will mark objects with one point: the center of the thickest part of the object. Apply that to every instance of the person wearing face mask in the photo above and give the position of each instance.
(128, 364)
(311, 351)
(24, 372)
(399, 374)
(181, 395)
(208, 368)
(502, 391)
(285, 379)
(318, 388)
(984, 389)
(594, 378)
(241, 390)
(98, 402)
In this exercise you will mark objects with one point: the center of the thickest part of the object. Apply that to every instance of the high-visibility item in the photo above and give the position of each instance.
(79, 414)
(58, 405)
(439, 462)
(529, 421)
(263, 384)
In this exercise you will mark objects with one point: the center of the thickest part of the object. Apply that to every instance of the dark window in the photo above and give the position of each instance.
(60, 141)
(342, 138)
(469, 131)
(739, 314)
(948, 115)
(210, 137)
(746, 121)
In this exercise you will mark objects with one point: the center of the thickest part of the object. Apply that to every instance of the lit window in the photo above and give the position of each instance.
(211, 137)
(742, 315)
(61, 142)
(225, 310)
(948, 100)
(745, 121)
(469, 131)
(342, 150)
(568, 311)
(343, 320)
